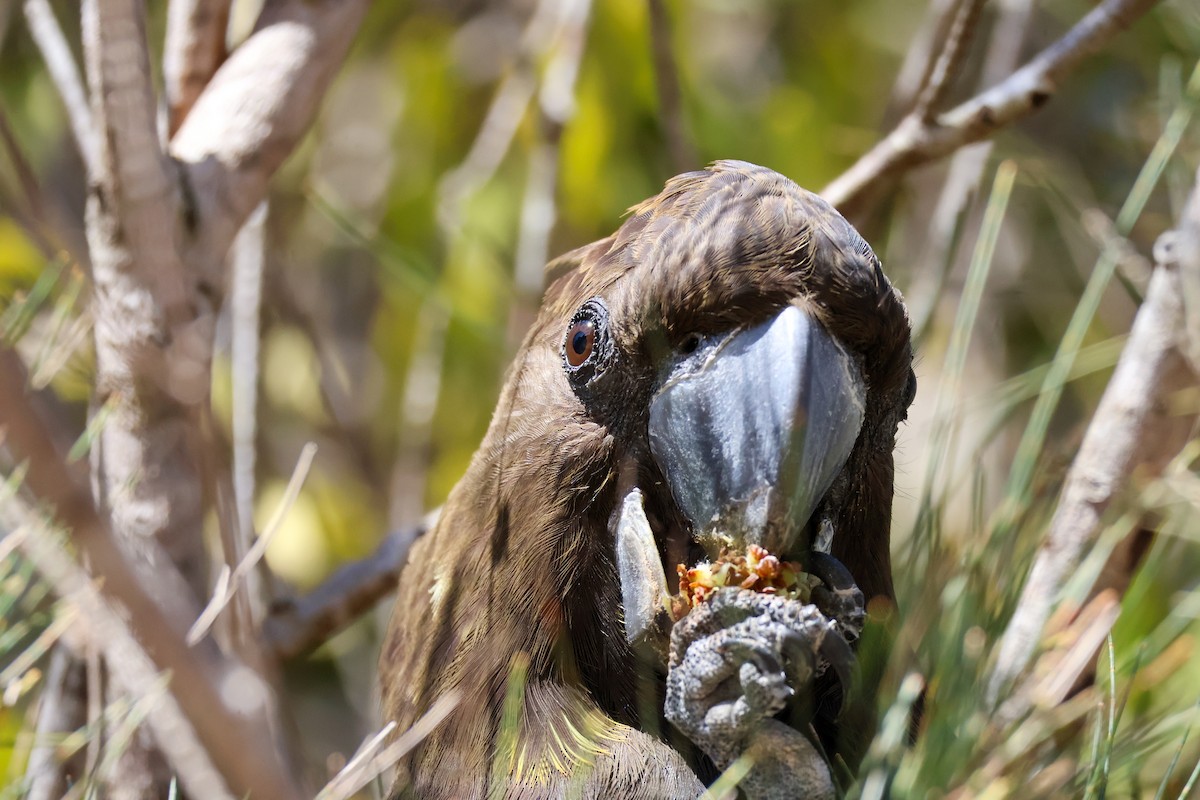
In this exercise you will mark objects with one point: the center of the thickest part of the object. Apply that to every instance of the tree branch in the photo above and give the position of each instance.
(61, 713)
(963, 174)
(135, 182)
(128, 663)
(302, 625)
(1134, 428)
(252, 114)
(193, 50)
(916, 141)
(48, 36)
(919, 58)
(243, 756)
(945, 68)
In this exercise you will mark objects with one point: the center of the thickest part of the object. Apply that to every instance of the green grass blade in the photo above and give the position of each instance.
(1026, 459)
(945, 427)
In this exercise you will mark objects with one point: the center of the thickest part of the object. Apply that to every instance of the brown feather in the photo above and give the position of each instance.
(521, 561)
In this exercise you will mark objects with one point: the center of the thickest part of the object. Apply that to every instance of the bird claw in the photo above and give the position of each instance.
(838, 596)
(739, 658)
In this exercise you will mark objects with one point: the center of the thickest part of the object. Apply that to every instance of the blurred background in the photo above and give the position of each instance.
(466, 142)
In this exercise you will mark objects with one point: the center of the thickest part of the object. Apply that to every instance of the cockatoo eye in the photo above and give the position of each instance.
(581, 341)
(587, 348)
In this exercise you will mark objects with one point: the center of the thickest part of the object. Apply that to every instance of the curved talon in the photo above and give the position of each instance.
(839, 598)
(834, 649)
(830, 647)
(833, 573)
(749, 650)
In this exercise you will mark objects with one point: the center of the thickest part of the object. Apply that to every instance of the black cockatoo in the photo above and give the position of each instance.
(729, 367)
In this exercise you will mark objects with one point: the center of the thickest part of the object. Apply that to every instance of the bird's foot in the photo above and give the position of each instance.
(738, 659)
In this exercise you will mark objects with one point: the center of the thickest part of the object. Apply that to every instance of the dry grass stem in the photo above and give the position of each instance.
(229, 582)
(1133, 430)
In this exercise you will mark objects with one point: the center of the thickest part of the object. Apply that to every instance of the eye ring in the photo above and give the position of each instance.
(587, 347)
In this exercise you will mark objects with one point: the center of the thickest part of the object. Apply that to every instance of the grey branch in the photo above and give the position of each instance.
(243, 757)
(48, 36)
(194, 49)
(135, 181)
(252, 114)
(301, 625)
(916, 141)
(61, 713)
(919, 58)
(508, 107)
(945, 67)
(127, 663)
(1134, 428)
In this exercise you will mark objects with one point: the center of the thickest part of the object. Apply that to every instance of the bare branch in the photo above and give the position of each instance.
(245, 310)
(306, 623)
(62, 712)
(508, 107)
(253, 112)
(136, 184)
(670, 101)
(945, 68)
(193, 50)
(1134, 428)
(48, 36)
(240, 752)
(919, 58)
(964, 174)
(915, 141)
(127, 661)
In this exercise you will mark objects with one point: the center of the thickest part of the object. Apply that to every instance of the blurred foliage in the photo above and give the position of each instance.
(391, 312)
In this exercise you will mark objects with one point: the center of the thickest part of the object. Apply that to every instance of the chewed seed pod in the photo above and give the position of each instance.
(754, 569)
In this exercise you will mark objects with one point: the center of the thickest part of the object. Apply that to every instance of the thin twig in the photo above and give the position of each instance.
(361, 771)
(48, 36)
(919, 58)
(510, 104)
(915, 141)
(964, 174)
(1134, 428)
(348, 774)
(508, 107)
(945, 67)
(193, 50)
(253, 112)
(228, 583)
(61, 713)
(247, 259)
(306, 623)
